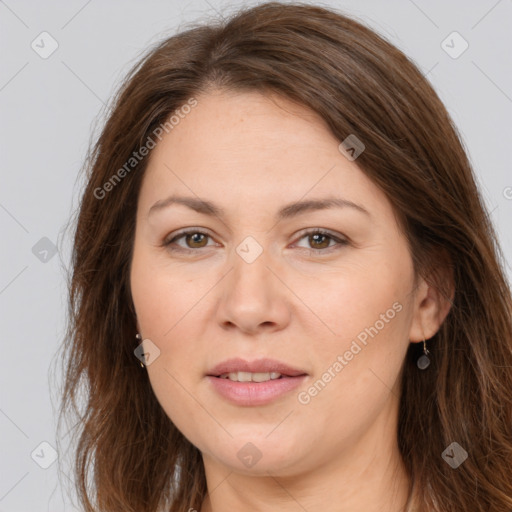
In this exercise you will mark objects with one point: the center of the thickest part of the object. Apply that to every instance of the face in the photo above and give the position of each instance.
(322, 296)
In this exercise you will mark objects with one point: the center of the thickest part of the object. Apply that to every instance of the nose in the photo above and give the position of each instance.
(253, 298)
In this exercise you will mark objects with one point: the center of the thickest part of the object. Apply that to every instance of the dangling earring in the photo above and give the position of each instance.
(423, 361)
(139, 337)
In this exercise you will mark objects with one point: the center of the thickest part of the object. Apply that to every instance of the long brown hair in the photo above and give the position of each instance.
(360, 84)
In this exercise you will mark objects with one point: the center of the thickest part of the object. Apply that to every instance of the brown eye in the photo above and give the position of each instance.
(319, 241)
(195, 240)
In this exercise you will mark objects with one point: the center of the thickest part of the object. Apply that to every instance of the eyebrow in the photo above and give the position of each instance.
(290, 210)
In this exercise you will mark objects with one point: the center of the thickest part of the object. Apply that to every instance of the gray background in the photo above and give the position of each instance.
(50, 108)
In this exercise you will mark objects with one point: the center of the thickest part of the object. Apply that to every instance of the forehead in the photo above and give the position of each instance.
(230, 125)
(251, 147)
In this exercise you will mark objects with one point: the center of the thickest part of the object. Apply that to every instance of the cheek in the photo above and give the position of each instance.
(354, 298)
(357, 380)
(162, 296)
(166, 307)
(369, 310)
(165, 316)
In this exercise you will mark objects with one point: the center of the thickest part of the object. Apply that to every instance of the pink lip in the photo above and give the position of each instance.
(254, 393)
(258, 366)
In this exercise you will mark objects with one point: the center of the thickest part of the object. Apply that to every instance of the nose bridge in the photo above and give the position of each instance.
(252, 294)
(251, 261)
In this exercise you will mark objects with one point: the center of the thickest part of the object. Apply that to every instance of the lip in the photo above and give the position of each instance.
(252, 394)
(265, 365)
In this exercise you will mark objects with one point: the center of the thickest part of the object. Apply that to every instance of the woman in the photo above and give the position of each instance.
(285, 292)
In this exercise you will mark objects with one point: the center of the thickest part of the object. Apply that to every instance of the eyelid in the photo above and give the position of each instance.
(320, 231)
(340, 240)
(182, 232)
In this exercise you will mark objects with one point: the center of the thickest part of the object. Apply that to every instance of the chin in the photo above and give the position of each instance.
(259, 455)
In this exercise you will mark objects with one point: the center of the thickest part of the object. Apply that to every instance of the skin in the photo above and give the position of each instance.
(251, 154)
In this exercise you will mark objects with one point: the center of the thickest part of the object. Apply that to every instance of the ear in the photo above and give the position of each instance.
(432, 303)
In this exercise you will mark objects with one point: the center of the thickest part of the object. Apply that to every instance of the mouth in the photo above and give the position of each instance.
(254, 383)
(260, 370)
(252, 377)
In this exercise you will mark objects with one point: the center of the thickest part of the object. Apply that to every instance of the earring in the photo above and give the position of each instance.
(423, 361)
(139, 337)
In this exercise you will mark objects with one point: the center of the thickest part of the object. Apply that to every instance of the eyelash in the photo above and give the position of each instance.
(340, 241)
